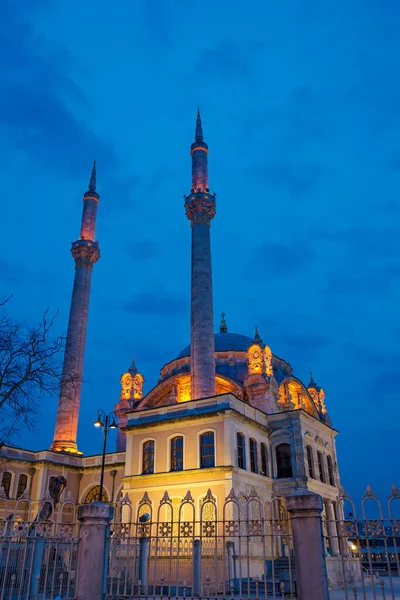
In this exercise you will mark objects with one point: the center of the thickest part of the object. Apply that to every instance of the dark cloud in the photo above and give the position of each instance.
(157, 302)
(297, 179)
(228, 60)
(279, 259)
(41, 101)
(373, 280)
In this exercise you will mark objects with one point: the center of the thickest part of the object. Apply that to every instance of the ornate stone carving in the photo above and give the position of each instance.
(200, 207)
(85, 253)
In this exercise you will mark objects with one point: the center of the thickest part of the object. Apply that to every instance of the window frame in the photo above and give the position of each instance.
(310, 462)
(240, 456)
(321, 470)
(264, 459)
(7, 491)
(280, 469)
(145, 443)
(253, 450)
(171, 449)
(201, 446)
(18, 495)
(331, 472)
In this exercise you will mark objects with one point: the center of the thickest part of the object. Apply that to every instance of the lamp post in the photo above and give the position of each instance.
(107, 422)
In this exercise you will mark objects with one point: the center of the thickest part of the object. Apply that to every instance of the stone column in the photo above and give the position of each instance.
(331, 526)
(305, 510)
(85, 253)
(95, 518)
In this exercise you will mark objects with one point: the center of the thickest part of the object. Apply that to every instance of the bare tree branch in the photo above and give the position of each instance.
(30, 366)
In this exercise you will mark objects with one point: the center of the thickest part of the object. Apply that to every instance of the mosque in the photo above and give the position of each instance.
(226, 412)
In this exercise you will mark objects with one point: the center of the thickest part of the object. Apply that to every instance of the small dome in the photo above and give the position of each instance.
(224, 342)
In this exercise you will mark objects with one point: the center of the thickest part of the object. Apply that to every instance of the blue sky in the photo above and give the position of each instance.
(301, 110)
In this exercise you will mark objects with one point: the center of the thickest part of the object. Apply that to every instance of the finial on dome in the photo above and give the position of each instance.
(199, 129)
(312, 382)
(132, 369)
(257, 337)
(223, 328)
(92, 182)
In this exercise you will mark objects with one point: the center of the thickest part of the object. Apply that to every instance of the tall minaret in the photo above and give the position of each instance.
(200, 209)
(85, 253)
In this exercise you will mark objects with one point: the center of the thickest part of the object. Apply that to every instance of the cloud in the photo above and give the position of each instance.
(280, 259)
(296, 178)
(40, 103)
(228, 60)
(157, 302)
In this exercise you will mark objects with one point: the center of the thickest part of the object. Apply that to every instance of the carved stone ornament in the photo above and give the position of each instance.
(200, 207)
(85, 253)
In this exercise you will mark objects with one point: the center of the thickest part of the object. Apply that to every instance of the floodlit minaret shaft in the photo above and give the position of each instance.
(85, 253)
(200, 209)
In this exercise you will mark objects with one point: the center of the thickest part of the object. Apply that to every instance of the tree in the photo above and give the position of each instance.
(30, 366)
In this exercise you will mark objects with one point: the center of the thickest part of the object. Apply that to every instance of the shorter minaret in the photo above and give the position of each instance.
(85, 253)
(200, 209)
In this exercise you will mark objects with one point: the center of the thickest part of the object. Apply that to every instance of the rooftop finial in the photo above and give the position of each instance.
(199, 128)
(132, 369)
(257, 337)
(312, 382)
(223, 328)
(92, 182)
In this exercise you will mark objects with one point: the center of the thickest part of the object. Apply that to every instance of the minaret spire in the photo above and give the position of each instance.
(92, 182)
(85, 253)
(200, 209)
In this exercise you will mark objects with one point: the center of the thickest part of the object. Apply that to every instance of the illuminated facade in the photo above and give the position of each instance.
(226, 411)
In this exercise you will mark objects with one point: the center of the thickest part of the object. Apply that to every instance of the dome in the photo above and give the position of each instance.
(225, 341)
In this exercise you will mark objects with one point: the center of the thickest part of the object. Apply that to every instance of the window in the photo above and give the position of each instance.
(6, 482)
(283, 461)
(264, 459)
(94, 494)
(148, 457)
(253, 456)
(241, 451)
(22, 483)
(321, 466)
(207, 450)
(310, 462)
(177, 453)
(331, 474)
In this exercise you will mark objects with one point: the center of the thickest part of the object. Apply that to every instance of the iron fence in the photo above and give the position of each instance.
(240, 550)
(363, 555)
(38, 559)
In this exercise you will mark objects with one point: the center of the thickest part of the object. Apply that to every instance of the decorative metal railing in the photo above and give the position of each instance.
(239, 550)
(38, 560)
(363, 550)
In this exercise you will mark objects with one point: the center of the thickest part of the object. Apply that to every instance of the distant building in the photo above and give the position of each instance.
(225, 413)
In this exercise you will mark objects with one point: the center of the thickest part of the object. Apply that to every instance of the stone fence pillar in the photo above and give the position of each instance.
(305, 509)
(95, 519)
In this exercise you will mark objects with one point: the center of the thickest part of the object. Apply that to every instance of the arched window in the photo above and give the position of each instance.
(331, 474)
(94, 494)
(310, 462)
(241, 451)
(177, 453)
(253, 456)
(321, 466)
(22, 483)
(264, 459)
(6, 482)
(148, 457)
(207, 450)
(283, 461)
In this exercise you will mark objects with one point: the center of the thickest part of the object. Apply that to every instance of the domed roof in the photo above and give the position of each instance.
(225, 341)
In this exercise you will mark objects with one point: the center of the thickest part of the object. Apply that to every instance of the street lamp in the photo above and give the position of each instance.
(107, 422)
